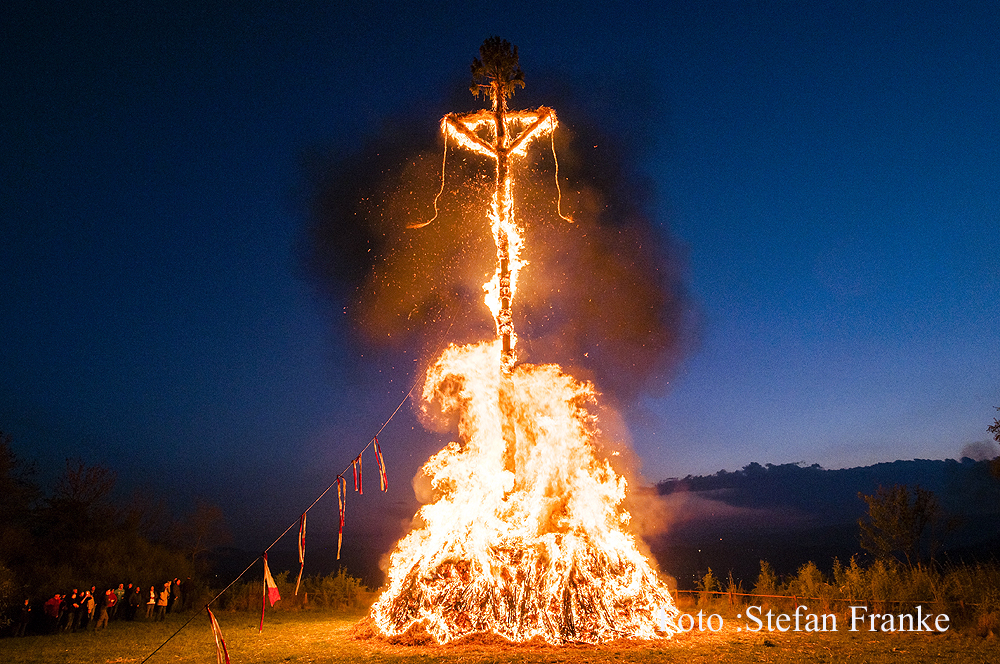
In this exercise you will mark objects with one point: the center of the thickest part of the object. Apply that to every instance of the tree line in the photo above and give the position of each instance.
(75, 534)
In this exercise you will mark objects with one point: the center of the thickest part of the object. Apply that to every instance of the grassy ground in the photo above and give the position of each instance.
(333, 637)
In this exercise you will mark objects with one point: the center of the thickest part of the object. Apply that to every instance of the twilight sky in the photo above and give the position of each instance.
(828, 172)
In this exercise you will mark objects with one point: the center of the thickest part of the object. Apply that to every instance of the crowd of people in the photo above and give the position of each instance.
(93, 608)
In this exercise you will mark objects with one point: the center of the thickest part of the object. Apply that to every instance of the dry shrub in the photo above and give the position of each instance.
(988, 623)
(767, 584)
(810, 582)
(416, 635)
(708, 585)
(363, 630)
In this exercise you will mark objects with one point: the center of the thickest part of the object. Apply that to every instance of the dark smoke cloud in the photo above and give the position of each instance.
(603, 296)
(982, 450)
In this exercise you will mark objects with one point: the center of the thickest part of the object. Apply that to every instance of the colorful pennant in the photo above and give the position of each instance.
(221, 652)
(383, 483)
(342, 499)
(270, 592)
(359, 480)
(302, 550)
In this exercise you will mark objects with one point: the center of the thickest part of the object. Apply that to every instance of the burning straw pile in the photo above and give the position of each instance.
(538, 551)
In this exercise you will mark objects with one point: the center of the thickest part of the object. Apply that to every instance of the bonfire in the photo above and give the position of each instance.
(526, 535)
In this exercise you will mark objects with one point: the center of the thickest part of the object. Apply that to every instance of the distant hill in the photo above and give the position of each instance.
(789, 514)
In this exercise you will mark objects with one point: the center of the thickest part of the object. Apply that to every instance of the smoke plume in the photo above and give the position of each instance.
(602, 296)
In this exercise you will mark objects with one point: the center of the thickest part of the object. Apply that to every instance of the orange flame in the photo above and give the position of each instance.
(540, 551)
(527, 536)
(501, 136)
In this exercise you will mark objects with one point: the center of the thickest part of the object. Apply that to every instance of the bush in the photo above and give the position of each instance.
(767, 581)
(10, 597)
(850, 580)
(884, 583)
(334, 591)
(809, 582)
(735, 588)
(707, 585)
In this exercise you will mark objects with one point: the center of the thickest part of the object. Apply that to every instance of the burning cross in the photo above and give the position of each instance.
(500, 134)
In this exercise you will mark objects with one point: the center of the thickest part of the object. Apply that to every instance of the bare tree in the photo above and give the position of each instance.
(80, 506)
(203, 530)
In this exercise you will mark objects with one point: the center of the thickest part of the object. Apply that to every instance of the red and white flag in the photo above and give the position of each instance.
(221, 653)
(270, 587)
(359, 480)
(342, 499)
(383, 483)
(270, 593)
(302, 550)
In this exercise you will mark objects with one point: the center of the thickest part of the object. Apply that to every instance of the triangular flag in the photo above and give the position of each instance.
(302, 550)
(221, 653)
(383, 483)
(270, 593)
(272, 587)
(342, 499)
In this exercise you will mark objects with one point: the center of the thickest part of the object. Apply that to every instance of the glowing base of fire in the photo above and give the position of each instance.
(523, 595)
(526, 535)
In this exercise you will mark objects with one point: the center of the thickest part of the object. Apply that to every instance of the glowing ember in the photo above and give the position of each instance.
(526, 535)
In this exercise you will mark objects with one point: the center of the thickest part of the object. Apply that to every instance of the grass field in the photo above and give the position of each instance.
(334, 637)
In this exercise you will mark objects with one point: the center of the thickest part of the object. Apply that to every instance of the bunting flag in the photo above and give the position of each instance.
(383, 484)
(359, 480)
(270, 593)
(270, 587)
(342, 499)
(221, 652)
(302, 550)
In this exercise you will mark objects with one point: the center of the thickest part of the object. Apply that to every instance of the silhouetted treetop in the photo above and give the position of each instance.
(496, 72)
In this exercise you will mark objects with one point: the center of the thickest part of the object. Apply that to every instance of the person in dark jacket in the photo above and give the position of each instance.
(104, 601)
(74, 606)
(23, 618)
(134, 601)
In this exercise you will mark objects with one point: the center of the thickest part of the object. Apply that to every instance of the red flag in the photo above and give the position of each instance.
(342, 499)
(270, 587)
(221, 653)
(302, 550)
(383, 484)
(270, 592)
(359, 480)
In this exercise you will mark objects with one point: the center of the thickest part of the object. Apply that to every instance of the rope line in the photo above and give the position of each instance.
(444, 160)
(552, 137)
(416, 382)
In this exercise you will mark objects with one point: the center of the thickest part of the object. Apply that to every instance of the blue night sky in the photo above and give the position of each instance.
(829, 172)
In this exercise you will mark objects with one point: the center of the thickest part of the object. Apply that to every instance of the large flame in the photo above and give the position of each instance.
(526, 536)
(500, 134)
(540, 551)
